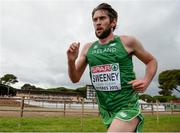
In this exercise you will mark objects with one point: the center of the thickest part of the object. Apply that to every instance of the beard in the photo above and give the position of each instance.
(104, 34)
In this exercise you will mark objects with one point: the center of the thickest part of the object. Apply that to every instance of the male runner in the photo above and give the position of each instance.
(111, 71)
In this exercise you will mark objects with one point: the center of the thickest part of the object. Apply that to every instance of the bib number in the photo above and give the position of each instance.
(106, 77)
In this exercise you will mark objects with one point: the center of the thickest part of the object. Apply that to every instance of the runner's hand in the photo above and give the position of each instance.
(139, 85)
(73, 51)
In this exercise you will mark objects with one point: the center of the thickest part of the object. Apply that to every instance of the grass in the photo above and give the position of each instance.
(50, 124)
(166, 123)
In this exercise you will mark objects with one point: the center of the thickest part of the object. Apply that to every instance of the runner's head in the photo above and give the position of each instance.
(112, 14)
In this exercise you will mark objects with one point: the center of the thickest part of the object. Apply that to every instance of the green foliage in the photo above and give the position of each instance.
(8, 79)
(81, 91)
(168, 81)
(7, 90)
(164, 98)
(5, 82)
(11, 79)
(30, 87)
(146, 98)
(59, 89)
(62, 90)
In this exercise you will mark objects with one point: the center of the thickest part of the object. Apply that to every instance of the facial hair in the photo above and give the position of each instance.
(104, 34)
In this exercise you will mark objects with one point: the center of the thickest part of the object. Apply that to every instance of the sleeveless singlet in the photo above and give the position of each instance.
(111, 70)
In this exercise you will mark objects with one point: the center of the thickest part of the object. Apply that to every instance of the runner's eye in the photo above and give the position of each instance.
(102, 18)
(94, 19)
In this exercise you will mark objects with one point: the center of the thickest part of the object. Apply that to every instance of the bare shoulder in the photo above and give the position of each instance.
(130, 42)
(135, 47)
(87, 45)
(86, 48)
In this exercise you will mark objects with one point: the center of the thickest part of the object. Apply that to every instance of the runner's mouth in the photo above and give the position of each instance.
(98, 30)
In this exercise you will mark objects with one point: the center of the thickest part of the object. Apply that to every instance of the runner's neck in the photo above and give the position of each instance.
(107, 39)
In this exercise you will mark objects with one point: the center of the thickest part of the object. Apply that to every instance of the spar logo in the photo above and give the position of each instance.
(104, 68)
(114, 67)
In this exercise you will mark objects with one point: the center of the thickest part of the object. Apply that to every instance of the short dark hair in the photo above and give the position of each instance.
(111, 12)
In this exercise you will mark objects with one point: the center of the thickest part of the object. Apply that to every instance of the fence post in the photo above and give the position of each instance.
(22, 106)
(157, 111)
(43, 101)
(64, 108)
(70, 102)
(171, 106)
(152, 109)
(29, 98)
(93, 100)
(57, 104)
(141, 106)
(82, 113)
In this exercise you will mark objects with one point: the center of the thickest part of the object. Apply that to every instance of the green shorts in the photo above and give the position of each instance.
(124, 115)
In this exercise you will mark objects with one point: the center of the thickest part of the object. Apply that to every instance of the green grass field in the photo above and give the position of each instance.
(167, 123)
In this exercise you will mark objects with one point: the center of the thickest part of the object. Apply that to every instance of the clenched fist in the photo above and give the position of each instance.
(73, 51)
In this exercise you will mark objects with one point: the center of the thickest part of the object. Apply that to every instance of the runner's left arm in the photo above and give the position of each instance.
(149, 60)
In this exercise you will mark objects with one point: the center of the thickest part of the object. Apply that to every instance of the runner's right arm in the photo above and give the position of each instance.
(76, 67)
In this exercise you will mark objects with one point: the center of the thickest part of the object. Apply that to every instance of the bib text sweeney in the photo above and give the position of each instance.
(106, 77)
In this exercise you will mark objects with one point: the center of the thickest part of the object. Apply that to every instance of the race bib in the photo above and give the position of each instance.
(106, 77)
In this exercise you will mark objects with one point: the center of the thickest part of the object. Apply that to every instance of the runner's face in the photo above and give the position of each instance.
(102, 25)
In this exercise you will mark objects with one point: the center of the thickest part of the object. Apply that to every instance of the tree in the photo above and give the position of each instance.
(7, 90)
(164, 98)
(5, 82)
(81, 91)
(8, 79)
(168, 81)
(146, 97)
(28, 87)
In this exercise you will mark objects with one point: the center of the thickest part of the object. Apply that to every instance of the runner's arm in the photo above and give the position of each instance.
(148, 60)
(76, 67)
